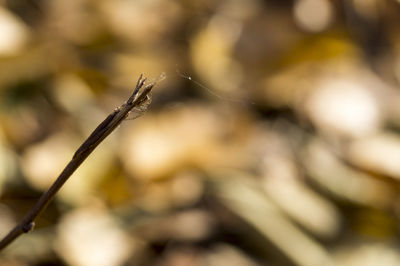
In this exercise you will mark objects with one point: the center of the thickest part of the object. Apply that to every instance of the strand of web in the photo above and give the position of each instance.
(210, 91)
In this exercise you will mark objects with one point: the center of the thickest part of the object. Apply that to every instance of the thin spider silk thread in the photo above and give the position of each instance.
(210, 91)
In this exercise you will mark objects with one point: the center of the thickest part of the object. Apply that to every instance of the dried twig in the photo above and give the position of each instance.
(139, 100)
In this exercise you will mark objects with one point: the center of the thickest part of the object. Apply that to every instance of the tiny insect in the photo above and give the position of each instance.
(140, 109)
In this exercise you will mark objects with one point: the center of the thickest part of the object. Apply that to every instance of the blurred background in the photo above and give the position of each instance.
(274, 138)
